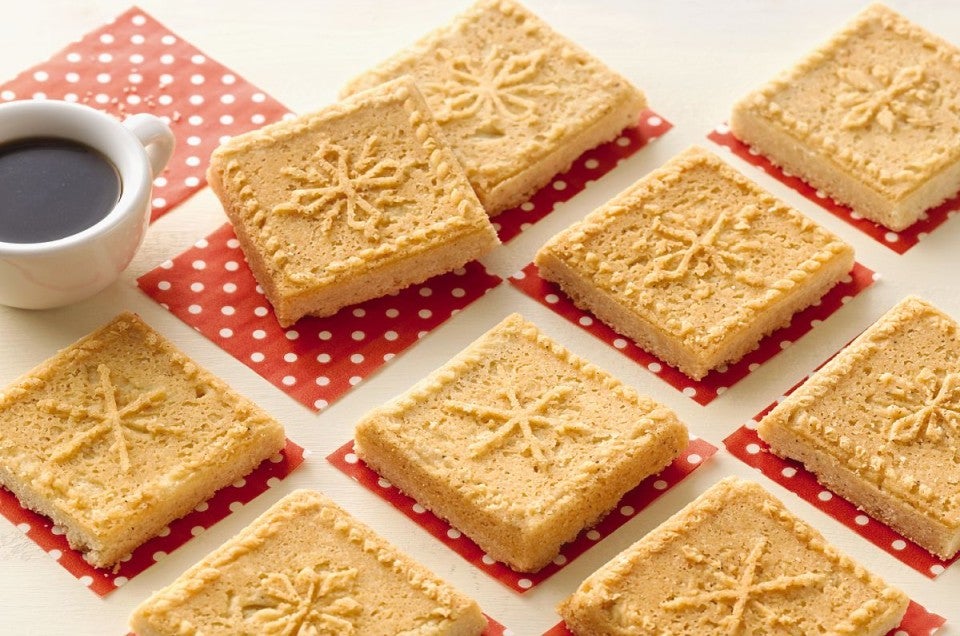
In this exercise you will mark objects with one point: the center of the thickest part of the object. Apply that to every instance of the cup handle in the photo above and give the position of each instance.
(156, 137)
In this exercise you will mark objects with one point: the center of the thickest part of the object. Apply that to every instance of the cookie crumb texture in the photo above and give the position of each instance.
(519, 444)
(880, 424)
(349, 203)
(517, 102)
(734, 561)
(695, 263)
(871, 118)
(120, 434)
(307, 567)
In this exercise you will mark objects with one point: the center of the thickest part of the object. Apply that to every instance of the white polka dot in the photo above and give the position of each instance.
(392, 313)
(159, 202)
(197, 530)
(593, 535)
(825, 495)
(55, 554)
(862, 520)
(168, 40)
(229, 287)
(322, 380)
(196, 287)
(226, 120)
(620, 343)
(627, 511)
(936, 569)
(196, 100)
(689, 391)
(226, 332)
(552, 298)
(356, 358)
(256, 356)
(559, 560)
(417, 508)
(163, 285)
(120, 581)
(228, 78)
(324, 335)
(195, 120)
(24, 527)
(846, 299)
(289, 380)
(70, 97)
(355, 380)
(891, 237)
(520, 275)
(231, 266)
(694, 458)
(236, 506)
(165, 100)
(137, 38)
(260, 312)
(257, 118)
(101, 98)
(7, 95)
(655, 367)
(57, 530)
(785, 344)
(358, 335)
(73, 78)
(87, 580)
(74, 57)
(103, 78)
(425, 313)
(227, 98)
(258, 97)
(259, 334)
(199, 265)
(753, 449)
(454, 533)
(191, 182)
(197, 59)
(350, 458)
(193, 162)
(585, 321)
(292, 334)
(233, 243)
(591, 164)
(194, 309)
(168, 264)
(387, 357)
(788, 472)
(525, 583)
(898, 544)
(487, 559)
(320, 404)
(166, 58)
(560, 185)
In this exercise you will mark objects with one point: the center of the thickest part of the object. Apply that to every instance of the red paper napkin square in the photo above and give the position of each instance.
(745, 444)
(588, 167)
(716, 382)
(229, 499)
(916, 622)
(899, 242)
(211, 288)
(135, 64)
(629, 506)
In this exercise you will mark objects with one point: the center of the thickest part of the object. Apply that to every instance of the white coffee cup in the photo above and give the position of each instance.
(69, 269)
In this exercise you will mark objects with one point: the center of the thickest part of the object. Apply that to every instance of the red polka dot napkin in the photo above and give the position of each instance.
(745, 444)
(899, 242)
(211, 288)
(629, 506)
(916, 622)
(51, 538)
(716, 382)
(135, 64)
(589, 167)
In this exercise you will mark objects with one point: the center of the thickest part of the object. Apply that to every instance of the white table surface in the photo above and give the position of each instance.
(693, 59)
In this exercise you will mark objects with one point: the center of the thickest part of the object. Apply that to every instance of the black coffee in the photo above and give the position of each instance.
(51, 188)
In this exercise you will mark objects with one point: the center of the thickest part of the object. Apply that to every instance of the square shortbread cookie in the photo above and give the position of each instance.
(355, 201)
(880, 424)
(307, 567)
(734, 561)
(519, 444)
(517, 101)
(120, 434)
(871, 117)
(695, 262)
